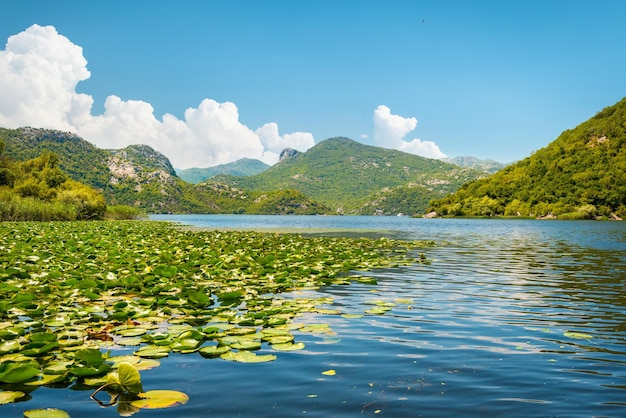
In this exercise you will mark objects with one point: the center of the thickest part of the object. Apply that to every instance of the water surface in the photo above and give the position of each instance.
(510, 319)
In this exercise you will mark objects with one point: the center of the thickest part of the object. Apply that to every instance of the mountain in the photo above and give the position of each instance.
(581, 174)
(243, 167)
(136, 175)
(488, 166)
(140, 176)
(353, 178)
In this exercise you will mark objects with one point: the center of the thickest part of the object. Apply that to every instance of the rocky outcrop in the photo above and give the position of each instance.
(287, 153)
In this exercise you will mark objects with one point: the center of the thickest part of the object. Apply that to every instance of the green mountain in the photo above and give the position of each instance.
(241, 168)
(354, 178)
(581, 174)
(488, 166)
(140, 176)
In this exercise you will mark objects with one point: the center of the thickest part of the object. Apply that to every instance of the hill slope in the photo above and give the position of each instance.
(580, 174)
(349, 176)
(140, 176)
(241, 168)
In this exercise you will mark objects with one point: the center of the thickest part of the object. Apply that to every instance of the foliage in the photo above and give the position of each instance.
(37, 189)
(409, 200)
(123, 212)
(584, 167)
(69, 290)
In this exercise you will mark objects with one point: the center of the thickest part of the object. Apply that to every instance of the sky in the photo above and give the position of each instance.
(208, 82)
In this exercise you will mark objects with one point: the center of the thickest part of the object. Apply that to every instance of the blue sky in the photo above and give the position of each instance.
(492, 79)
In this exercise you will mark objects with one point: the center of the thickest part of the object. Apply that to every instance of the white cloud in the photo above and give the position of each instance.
(390, 130)
(39, 71)
(274, 143)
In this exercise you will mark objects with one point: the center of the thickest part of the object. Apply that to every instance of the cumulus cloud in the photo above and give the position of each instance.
(39, 71)
(390, 130)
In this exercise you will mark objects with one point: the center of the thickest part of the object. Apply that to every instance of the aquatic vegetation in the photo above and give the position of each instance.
(70, 292)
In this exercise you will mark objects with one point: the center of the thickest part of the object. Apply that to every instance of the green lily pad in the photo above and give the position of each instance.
(47, 379)
(154, 352)
(288, 346)
(46, 413)
(247, 357)
(11, 346)
(159, 399)
(16, 372)
(9, 396)
(211, 351)
(577, 335)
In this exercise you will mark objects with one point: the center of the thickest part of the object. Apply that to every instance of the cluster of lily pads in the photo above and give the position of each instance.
(72, 291)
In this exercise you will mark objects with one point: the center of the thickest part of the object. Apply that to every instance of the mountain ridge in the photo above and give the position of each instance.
(346, 175)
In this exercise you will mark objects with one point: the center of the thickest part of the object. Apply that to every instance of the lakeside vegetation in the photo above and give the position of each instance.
(580, 175)
(70, 290)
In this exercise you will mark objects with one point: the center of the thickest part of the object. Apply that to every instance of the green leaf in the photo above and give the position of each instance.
(129, 378)
(214, 350)
(90, 356)
(247, 357)
(46, 413)
(10, 396)
(16, 372)
(288, 346)
(577, 335)
(199, 298)
(159, 399)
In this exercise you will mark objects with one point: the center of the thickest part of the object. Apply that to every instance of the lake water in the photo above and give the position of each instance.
(510, 319)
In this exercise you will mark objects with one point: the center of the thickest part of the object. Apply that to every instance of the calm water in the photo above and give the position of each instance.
(484, 330)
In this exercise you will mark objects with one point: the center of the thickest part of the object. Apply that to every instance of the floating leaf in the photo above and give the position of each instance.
(16, 372)
(153, 352)
(10, 396)
(288, 346)
(158, 399)
(47, 379)
(46, 413)
(577, 335)
(214, 350)
(247, 357)
(330, 372)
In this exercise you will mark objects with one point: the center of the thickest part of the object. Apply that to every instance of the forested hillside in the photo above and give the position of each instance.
(141, 177)
(582, 174)
(354, 178)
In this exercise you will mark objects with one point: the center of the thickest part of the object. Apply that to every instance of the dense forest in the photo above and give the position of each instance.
(582, 174)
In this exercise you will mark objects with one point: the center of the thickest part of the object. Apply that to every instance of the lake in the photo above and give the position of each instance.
(511, 318)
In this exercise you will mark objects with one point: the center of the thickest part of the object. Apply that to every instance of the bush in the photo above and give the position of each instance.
(122, 212)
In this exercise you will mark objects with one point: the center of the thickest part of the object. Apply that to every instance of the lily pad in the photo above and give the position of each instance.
(288, 346)
(214, 350)
(577, 335)
(46, 413)
(9, 396)
(248, 357)
(159, 399)
(16, 372)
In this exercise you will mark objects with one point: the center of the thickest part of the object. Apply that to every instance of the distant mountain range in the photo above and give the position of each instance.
(354, 178)
(240, 168)
(488, 166)
(338, 175)
(581, 174)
